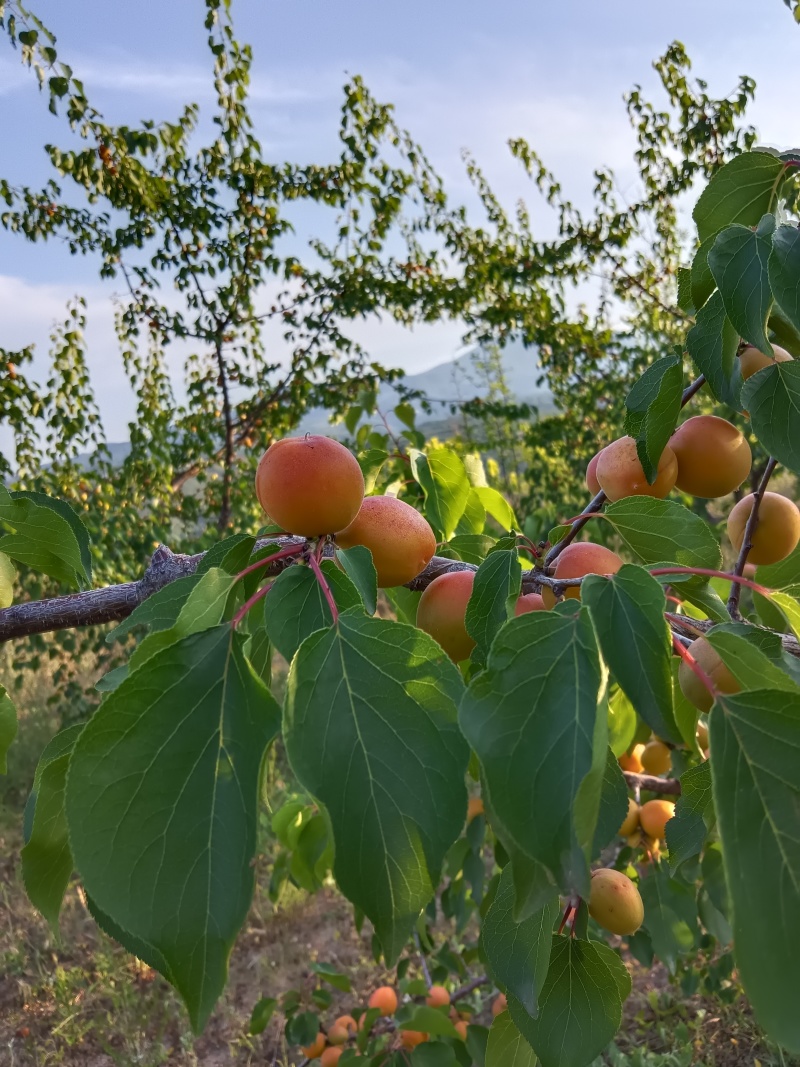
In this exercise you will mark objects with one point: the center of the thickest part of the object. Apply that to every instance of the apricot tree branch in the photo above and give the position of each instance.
(747, 539)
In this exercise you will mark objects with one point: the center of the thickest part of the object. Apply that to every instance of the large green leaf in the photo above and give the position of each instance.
(8, 574)
(443, 478)
(653, 406)
(580, 1006)
(663, 530)
(358, 566)
(784, 575)
(713, 345)
(702, 280)
(231, 555)
(518, 952)
(772, 396)
(296, 606)
(496, 505)
(494, 594)
(41, 536)
(755, 755)
(71, 517)
(670, 915)
(506, 1046)
(739, 262)
(742, 191)
(694, 812)
(371, 731)
(613, 805)
(628, 612)
(755, 657)
(622, 721)
(784, 272)
(8, 727)
(46, 856)
(162, 800)
(532, 719)
(160, 610)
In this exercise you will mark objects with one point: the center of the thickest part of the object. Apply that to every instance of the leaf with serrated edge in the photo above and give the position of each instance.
(653, 406)
(506, 1046)
(784, 271)
(713, 345)
(739, 262)
(494, 594)
(772, 396)
(659, 530)
(670, 915)
(370, 730)
(8, 727)
(358, 566)
(613, 805)
(159, 611)
(443, 478)
(742, 191)
(694, 810)
(497, 506)
(295, 606)
(8, 574)
(755, 657)
(162, 800)
(41, 537)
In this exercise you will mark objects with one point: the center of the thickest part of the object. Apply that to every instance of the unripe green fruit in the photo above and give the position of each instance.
(615, 903)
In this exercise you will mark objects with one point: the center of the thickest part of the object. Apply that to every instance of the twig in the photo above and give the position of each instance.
(651, 784)
(747, 540)
(690, 390)
(423, 961)
(470, 987)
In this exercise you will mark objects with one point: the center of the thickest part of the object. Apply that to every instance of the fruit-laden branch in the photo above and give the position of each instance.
(747, 538)
(652, 784)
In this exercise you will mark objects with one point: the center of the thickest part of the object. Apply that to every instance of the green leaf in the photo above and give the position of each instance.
(262, 1014)
(580, 1007)
(46, 856)
(621, 721)
(506, 1046)
(755, 754)
(430, 1054)
(755, 657)
(790, 609)
(784, 271)
(494, 594)
(741, 191)
(359, 568)
(702, 280)
(8, 727)
(296, 607)
(784, 575)
(533, 883)
(162, 800)
(739, 262)
(473, 517)
(370, 730)
(142, 950)
(694, 813)
(426, 1020)
(518, 952)
(628, 612)
(469, 548)
(71, 517)
(496, 505)
(686, 714)
(231, 555)
(41, 537)
(406, 414)
(685, 302)
(531, 717)
(159, 611)
(328, 973)
(783, 332)
(772, 396)
(8, 574)
(663, 530)
(613, 805)
(653, 406)
(670, 915)
(443, 478)
(713, 345)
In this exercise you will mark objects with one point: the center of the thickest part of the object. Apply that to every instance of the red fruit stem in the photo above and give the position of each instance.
(567, 912)
(694, 666)
(292, 550)
(747, 539)
(326, 589)
(714, 574)
(243, 610)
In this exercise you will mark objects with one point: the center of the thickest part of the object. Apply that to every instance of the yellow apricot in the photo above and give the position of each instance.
(631, 821)
(713, 456)
(529, 602)
(385, 999)
(656, 758)
(708, 659)
(777, 532)
(499, 1004)
(654, 816)
(614, 902)
(338, 1035)
(474, 808)
(437, 997)
(461, 1029)
(330, 1057)
(632, 761)
(309, 485)
(592, 483)
(316, 1048)
(702, 735)
(411, 1038)
(400, 539)
(752, 359)
(348, 1023)
(442, 610)
(620, 473)
(578, 559)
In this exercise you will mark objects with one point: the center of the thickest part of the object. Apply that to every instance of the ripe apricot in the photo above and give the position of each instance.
(592, 483)
(316, 1048)
(400, 539)
(500, 1004)
(474, 809)
(702, 735)
(656, 758)
(632, 761)
(614, 902)
(709, 660)
(437, 997)
(654, 816)
(578, 559)
(529, 602)
(777, 532)
(713, 456)
(330, 1057)
(411, 1038)
(752, 359)
(442, 610)
(461, 1029)
(631, 820)
(385, 999)
(348, 1023)
(620, 472)
(309, 485)
(338, 1035)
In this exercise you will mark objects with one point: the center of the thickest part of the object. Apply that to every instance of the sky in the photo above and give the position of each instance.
(466, 75)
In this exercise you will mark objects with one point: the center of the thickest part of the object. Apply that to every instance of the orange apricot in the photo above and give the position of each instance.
(614, 902)
(654, 816)
(348, 1023)
(708, 659)
(309, 485)
(461, 1029)
(330, 1057)
(315, 1049)
(713, 456)
(578, 559)
(632, 761)
(631, 820)
(620, 472)
(338, 1035)
(474, 809)
(442, 610)
(411, 1038)
(777, 531)
(656, 758)
(529, 602)
(752, 359)
(400, 539)
(499, 1004)
(385, 999)
(702, 735)
(592, 483)
(437, 997)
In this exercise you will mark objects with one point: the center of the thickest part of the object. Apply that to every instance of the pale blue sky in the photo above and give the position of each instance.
(468, 74)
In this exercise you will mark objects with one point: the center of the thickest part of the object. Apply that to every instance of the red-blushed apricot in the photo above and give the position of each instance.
(474, 808)
(442, 610)
(400, 539)
(702, 736)
(499, 1004)
(656, 758)
(348, 1023)
(411, 1038)
(578, 559)
(385, 999)
(316, 1048)
(632, 761)
(620, 472)
(752, 359)
(708, 660)
(654, 816)
(713, 456)
(592, 483)
(330, 1057)
(631, 820)
(338, 1035)
(461, 1029)
(437, 997)
(529, 602)
(309, 485)
(614, 902)
(777, 532)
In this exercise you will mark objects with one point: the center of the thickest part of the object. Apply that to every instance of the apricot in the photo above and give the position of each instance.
(442, 610)
(620, 472)
(529, 602)
(753, 359)
(709, 660)
(401, 541)
(592, 483)
(713, 456)
(777, 532)
(309, 485)
(461, 1029)
(656, 758)
(316, 1048)
(631, 820)
(474, 808)
(437, 997)
(578, 559)
(702, 735)
(614, 902)
(330, 1057)
(499, 1004)
(385, 999)
(411, 1038)
(348, 1023)
(654, 816)
(632, 761)
(338, 1035)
